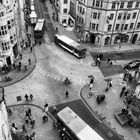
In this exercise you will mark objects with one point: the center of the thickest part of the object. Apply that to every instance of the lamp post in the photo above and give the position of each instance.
(114, 23)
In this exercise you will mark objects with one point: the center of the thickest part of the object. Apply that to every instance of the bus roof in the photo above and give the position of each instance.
(33, 14)
(41, 20)
(32, 8)
(68, 41)
(77, 125)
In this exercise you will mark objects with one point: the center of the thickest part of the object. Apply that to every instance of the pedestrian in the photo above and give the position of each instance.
(27, 137)
(32, 123)
(120, 47)
(33, 136)
(29, 60)
(31, 49)
(26, 97)
(29, 111)
(67, 94)
(46, 108)
(20, 56)
(24, 129)
(25, 68)
(45, 118)
(122, 91)
(14, 66)
(108, 60)
(54, 109)
(31, 97)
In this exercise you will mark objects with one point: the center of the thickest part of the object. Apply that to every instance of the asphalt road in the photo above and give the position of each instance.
(41, 11)
(81, 110)
(109, 70)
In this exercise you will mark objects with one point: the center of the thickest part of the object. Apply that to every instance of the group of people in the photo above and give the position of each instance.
(27, 97)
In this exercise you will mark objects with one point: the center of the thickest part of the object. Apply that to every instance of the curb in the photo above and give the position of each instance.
(102, 121)
(30, 104)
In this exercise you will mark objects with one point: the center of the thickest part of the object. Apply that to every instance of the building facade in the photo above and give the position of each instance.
(108, 22)
(66, 11)
(9, 32)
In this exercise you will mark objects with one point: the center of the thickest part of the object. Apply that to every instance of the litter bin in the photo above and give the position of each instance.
(100, 98)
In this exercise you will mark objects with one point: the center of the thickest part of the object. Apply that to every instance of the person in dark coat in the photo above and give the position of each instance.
(67, 94)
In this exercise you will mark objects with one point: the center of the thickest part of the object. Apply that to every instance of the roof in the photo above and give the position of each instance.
(68, 41)
(77, 125)
(39, 26)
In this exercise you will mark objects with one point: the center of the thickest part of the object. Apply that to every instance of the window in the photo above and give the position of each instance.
(93, 26)
(119, 16)
(97, 26)
(128, 16)
(98, 15)
(65, 10)
(126, 26)
(1, 14)
(111, 16)
(113, 5)
(122, 27)
(131, 26)
(101, 4)
(97, 3)
(134, 15)
(129, 5)
(137, 4)
(124, 17)
(93, 3)
(138, 25)
(94, 15)
(65, 1)
(122, 5)
(109, 27)
(117, 27)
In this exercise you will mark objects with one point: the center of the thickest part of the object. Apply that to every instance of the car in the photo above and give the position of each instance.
(135, 64)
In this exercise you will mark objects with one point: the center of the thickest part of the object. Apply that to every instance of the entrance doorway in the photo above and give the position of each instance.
(107, 41)
(134, 38)
(92, 38)
(8, 60)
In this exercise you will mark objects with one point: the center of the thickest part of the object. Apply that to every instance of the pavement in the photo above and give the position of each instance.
(14, 74)
(104, 111)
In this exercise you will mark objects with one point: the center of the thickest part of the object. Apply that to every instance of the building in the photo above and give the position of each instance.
(108, 22)
(9, 32)
(4, 124)
(66, 11)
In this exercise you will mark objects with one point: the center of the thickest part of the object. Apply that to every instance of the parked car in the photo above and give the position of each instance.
(135, 64)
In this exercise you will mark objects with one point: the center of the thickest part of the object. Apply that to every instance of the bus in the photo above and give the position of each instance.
(75, 126)
(39, 28)
(70, 45)
(32, 8)
(33, 18)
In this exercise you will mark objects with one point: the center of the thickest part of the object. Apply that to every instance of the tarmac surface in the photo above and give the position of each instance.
(105, 111)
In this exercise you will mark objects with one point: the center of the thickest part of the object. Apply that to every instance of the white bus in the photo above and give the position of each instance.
(39, 28)
(78, 128)
(70, 45)
(33, 18)
(32, 8)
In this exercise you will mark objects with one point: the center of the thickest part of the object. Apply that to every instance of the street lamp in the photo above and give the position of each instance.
(114, 23)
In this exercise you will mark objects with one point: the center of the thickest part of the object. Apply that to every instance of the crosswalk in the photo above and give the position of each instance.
(60, 78)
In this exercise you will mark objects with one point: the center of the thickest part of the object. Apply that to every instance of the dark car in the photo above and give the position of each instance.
(135, 64)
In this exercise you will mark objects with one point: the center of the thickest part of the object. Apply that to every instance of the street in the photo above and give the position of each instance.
(53, 65)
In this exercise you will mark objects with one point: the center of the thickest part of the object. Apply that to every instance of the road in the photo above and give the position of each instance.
(81, 110)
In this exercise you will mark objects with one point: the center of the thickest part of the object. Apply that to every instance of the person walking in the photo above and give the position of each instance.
(29, 60)
(67, 94)
(122, 91)
(31, 97)
(46, 108)
(26, 97)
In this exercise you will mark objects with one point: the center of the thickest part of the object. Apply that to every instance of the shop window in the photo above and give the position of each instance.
(97, 3)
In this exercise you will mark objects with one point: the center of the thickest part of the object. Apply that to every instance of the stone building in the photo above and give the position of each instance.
(9, 32)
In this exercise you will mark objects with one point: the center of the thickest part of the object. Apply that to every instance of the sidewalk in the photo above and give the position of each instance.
(16, 75)
(43, 130)
(105, 110)
(91, 47)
